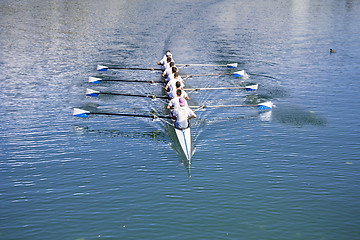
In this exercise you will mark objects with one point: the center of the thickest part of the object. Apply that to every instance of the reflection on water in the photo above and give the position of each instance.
(156, 135)
(297, 115)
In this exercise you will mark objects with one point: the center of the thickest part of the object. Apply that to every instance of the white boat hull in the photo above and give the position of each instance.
(184, 137)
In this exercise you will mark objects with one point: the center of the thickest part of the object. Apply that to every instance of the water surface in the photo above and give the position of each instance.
(291, 173)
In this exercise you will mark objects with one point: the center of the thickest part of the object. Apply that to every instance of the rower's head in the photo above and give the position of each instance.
(172, 64)
(177, 84)
(182, 102)
(178, 92)
(176, 74)
(168, 53)
(168, 59)
(174, 69)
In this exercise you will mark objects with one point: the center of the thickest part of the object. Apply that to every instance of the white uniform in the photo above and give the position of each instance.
(172, 84)
(163, 61)
(172, 93)
(182, 114)
(175, 101)
(170, 77)
(168, 71)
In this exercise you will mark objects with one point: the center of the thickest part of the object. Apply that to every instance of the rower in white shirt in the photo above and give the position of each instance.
(174, 103)
(171, 85)
(168, 70)
(164, 59)
(182, 115)
(173, 91)
(171, 76)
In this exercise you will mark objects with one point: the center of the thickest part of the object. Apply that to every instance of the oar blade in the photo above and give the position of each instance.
(252, 87)
(232, 65)
(80, 113)
(239, 73)
(265, 105)
(95, 80)
(102, 68)
(92, 93)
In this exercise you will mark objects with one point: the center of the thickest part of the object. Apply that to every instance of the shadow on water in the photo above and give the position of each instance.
(294, 115)
(266, 94)
(157, 135)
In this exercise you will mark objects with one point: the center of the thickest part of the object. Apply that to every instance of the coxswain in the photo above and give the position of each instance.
(174, 103)
(182, 115)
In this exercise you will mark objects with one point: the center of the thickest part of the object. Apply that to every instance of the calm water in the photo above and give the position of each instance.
(292, 173)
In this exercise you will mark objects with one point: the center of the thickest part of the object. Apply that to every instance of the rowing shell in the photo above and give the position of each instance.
(184, 137)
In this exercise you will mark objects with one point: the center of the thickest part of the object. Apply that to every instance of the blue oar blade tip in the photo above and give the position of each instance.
(265, 106)
(232, 65)
(239, 73)
(81, 113)
(95, 80)
(92, 93)
(252, 87)
(102, 68)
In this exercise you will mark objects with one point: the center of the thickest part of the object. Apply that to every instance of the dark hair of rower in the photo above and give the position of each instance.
(178, 92)
(176, 74)
(168, 59)
(174, 69)
(178, 84)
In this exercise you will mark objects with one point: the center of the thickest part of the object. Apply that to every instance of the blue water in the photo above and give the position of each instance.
(290, 173)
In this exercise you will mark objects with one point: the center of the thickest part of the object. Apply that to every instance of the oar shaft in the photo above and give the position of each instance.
(134, 68)
(214, 88)
(129, 115)
(133, 81)
(220, 106)
(204, 75)
(132, 95)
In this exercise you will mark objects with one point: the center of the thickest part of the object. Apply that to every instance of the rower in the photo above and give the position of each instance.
(164, 59)
(168, 70)
(182, 115)
(174, 103)
(178, 86)
(172, 75)
(171, 85)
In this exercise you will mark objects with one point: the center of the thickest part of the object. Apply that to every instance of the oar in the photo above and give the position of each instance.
(84, 113)
(97, 80)
(229, 65)
(95, 93)
(247, 88)
(105, 68)
(262, 106)
(236, 74)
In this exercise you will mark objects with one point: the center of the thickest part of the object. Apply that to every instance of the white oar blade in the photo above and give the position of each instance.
(81, 113)
(265, 105)
(92, 93)
(239, 73)
(252, 87)
(102, 68)
(95, 80)
(232, 65)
